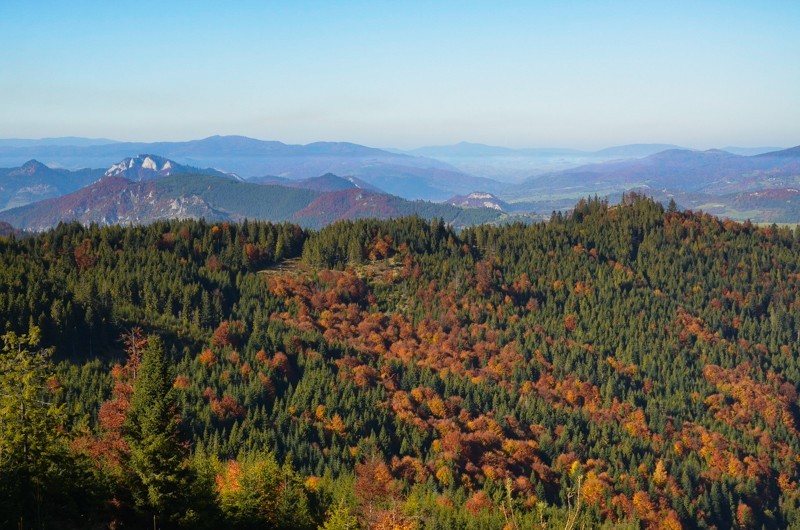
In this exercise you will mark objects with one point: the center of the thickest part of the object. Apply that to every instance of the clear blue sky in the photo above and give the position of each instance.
(403, 73)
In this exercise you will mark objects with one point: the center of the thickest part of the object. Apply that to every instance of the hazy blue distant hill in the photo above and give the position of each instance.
(60, 141)
(244, 146)
(513, 165)
(762, 187)
(271, 179)
(331, 182)
(462, 149)
(468, 149)
(714, 171)
(792, 152)
(324, 183)
(634, 150)
(214, 147)
(34, 181)
(423, 183)
(749, 151)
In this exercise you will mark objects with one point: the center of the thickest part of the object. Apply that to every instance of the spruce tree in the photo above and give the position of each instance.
(157, 463)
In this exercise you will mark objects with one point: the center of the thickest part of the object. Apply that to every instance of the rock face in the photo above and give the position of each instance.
(147, 167)
(478, 199)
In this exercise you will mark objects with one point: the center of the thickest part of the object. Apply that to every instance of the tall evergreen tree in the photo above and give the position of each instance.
(157, 458)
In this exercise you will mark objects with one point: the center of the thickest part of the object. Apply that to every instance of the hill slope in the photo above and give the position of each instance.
(713, 180)
(641, 361)
(116, 200)
(356, 203)
(34, 181)
(712, 171)
(324, 183)
(7, 230)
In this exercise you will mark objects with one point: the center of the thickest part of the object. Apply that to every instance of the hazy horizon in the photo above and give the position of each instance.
(82, 141)
(579, 75)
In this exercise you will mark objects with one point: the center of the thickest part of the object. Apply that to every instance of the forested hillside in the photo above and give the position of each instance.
(626, 366)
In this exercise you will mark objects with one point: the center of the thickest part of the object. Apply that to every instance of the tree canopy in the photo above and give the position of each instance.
(624, 365)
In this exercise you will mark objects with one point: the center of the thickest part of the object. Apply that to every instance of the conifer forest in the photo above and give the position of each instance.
(626, 365)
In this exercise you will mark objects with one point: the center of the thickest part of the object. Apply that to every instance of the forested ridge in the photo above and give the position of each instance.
(624, 366)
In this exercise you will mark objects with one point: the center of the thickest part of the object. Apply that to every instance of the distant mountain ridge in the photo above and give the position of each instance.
(323, 183)
(714, 171)
(792, 152)
(470, 149)
(514, 165)
(63, 141)
(759, 187)
(117, 200)
(636, 150)
(409, 176)
(749, 151)
(34, 181)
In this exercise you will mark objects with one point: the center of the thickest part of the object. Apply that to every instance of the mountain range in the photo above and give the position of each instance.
(469, 149)
(716, 181)
(34, 181)
(409, 176)
(118, 199)
(757, 185)
(515, 165)
(714, 171)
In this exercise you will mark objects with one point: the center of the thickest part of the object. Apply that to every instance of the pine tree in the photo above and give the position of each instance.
(157, 464)
(673, 206)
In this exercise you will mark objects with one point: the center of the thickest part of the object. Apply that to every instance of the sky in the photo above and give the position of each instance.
(581, 74)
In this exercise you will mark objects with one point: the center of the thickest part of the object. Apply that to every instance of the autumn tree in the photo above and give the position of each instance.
(256, 492)
(340, 517)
